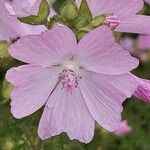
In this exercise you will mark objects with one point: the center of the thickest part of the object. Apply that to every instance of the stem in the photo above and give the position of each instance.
(39, 144)
(30, 141)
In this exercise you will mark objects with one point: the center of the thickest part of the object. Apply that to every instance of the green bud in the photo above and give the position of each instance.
(5, 58)
(42, 16)
(4, 49)
(6, 89)
(69, 11)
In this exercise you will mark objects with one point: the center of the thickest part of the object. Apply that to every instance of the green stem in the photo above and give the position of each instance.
(39, 144)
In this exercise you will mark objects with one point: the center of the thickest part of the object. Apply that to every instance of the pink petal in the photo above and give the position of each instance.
(123, 129)
(8, 30)
(135, 24)
(117, 7)
(22, 8)
(143, 90)
(32, 87)
(97, 51)
(2, 6)
(104, 95)
(30, 29)
(48, 48)
(16, 29)
(66, 112)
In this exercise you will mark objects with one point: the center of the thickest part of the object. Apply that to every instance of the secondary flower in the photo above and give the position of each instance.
(141, 49)
(127, 43)
(147, 1)
(22, 8)
(77, 83)
(12, 28)
(121, 15)
(144, 42)
(123, 129)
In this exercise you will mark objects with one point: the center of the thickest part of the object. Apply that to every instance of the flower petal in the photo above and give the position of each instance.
(66, 112)
(32, 87)
(97, 51)
(117, 7)
(134, 24)
(16, 29)
(21, 8)
(104, 95)
(48, 48)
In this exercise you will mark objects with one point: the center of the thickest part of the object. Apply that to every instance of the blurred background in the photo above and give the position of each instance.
(22, 134)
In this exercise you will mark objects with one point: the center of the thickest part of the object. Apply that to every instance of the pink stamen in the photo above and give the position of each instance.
(69, 80)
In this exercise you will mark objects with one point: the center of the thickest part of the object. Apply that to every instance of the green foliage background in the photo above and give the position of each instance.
(22, 134)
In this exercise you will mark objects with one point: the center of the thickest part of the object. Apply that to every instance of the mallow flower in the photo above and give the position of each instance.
(77, 84)
(123, 129)
(143, 90)
(12, 28)
(147, 1)
(121, 15)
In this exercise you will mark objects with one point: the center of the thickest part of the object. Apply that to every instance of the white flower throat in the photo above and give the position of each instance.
(69, 77)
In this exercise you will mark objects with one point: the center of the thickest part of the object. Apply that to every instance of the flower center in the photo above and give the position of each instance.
(69, 77)
(112, 21)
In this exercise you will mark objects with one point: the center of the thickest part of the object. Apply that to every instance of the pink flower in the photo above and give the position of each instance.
(123, 129)
(143, 91)
(147, 1)
(121, 15)
(77, 83)
(12, 28)
(127, 44)
(144, 42)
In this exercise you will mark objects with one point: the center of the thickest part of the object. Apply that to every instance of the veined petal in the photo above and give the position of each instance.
(49, 48)
(16, 29)
(66, 112)
(22, 8)
(117, 7)
(97, 51)
(32, 87)
(104, 95)
(134, 24)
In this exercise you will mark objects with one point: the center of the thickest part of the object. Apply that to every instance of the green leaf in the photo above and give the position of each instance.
(84, 9)
(69, 11)
(44, 11)
(55, 19)
(97, 21)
